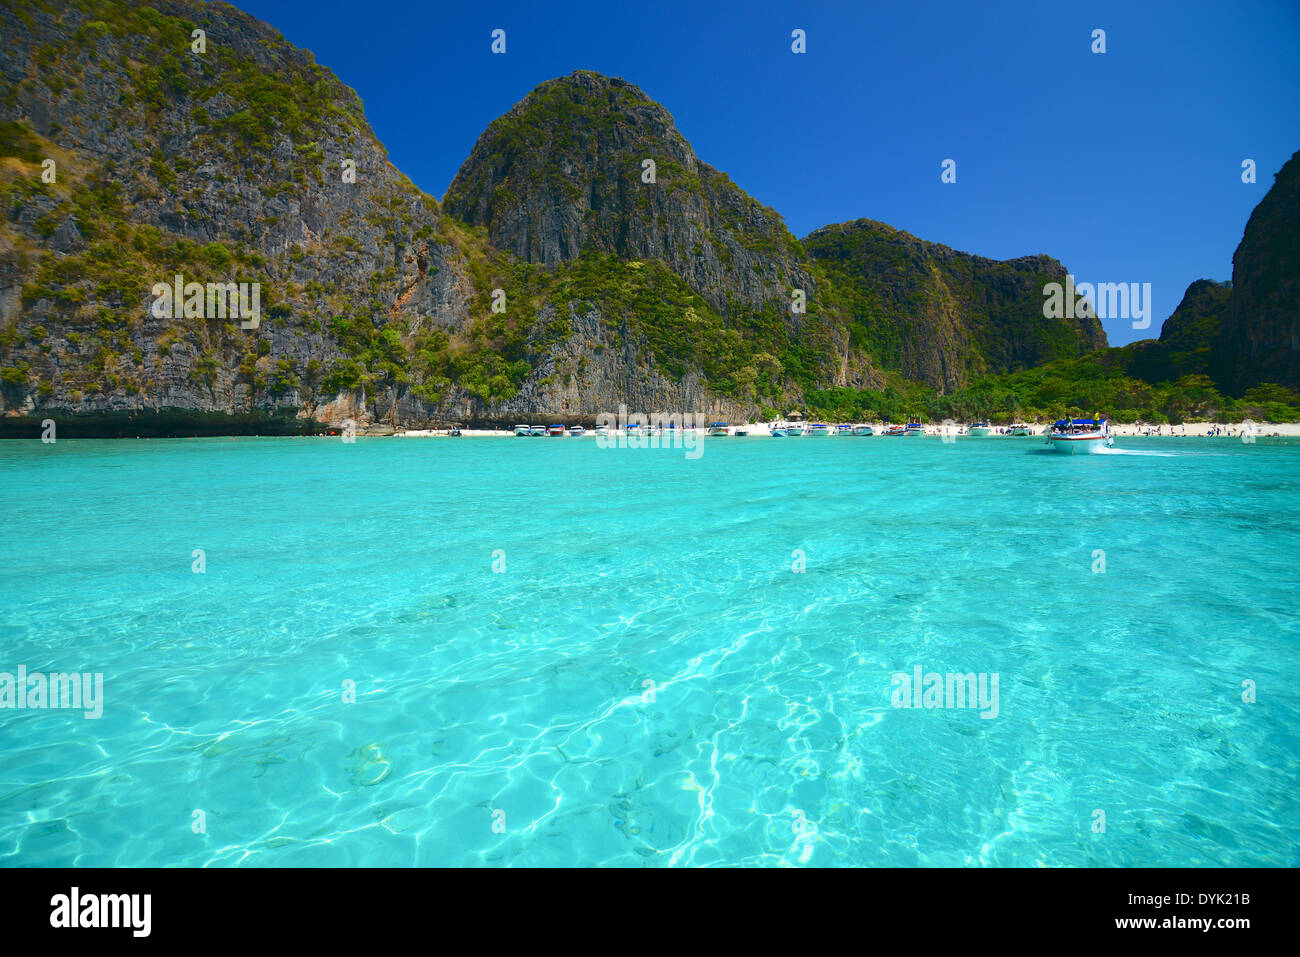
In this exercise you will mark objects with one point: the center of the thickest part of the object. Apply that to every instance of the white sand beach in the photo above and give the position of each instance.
(1122, 429)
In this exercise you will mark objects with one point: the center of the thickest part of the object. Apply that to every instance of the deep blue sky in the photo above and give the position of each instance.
(1126, 166)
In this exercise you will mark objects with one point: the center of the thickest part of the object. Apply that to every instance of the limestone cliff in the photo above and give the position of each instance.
(941, 316)
(1260, 338)
(559, 278)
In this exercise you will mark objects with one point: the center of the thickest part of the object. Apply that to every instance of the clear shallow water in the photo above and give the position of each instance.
(523, 692)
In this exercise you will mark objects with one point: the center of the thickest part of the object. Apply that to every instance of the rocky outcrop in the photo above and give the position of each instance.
(1260, 338)
(221, 165)
(941, 316)
(566, 170)
(1195, 324)
(558, 278)
(1186, 338)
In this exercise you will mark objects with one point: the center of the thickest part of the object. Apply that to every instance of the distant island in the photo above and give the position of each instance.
(582, 258)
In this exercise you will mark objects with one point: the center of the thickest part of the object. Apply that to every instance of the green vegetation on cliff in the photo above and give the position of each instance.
(1155, 381)
(225, 165)
(1093, 383)
(1259, 340)
(942, 316)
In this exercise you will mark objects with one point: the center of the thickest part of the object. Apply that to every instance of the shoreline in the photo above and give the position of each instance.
(205, 425)
(763, 430)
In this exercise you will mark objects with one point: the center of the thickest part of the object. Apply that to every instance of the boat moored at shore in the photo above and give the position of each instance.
(979, 428)
(717, 428)
(522, 429)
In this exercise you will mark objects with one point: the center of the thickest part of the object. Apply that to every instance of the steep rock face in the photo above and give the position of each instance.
(943, 316)
(378, 305)
(1260, 338)
(562, 172)
(1185, 339)
(224, 165)
(1195, 324)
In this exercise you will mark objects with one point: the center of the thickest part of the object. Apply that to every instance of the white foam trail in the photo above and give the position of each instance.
(1106, 451)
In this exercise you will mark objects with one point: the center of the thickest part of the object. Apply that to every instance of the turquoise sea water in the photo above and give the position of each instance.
(649, 681)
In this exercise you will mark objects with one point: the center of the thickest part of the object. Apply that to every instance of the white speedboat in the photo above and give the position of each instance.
(1019, 428)
(716, 428)
(780, 431)
(914, 429)
(521, 430)
(863, 430)
(794, 430)
(577, 430)
(979, 428)
(818, 428)
(1080, 436)
(537, 430)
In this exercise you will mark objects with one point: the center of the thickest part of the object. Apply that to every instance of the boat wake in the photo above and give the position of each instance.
(1148, 452)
